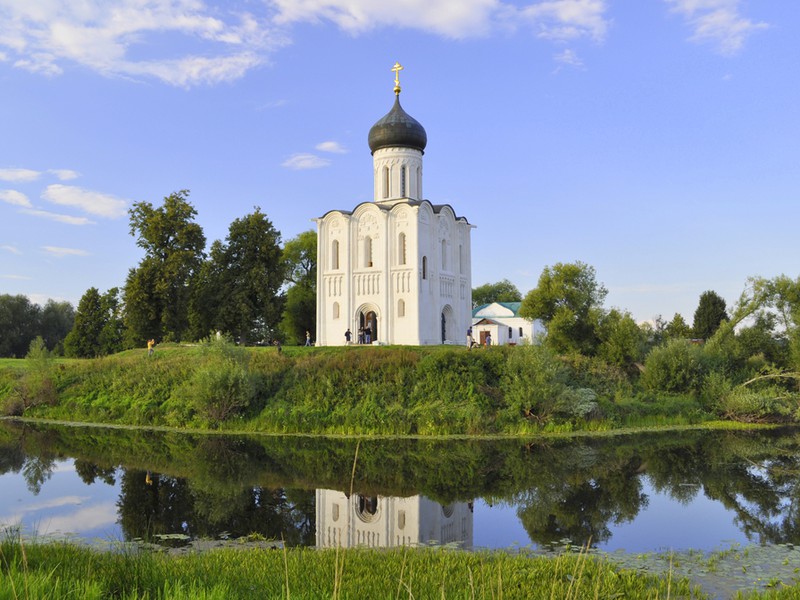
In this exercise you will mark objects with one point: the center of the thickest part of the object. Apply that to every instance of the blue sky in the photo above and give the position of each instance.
(656, 140)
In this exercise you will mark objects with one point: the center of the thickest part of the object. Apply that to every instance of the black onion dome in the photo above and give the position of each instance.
(397, 129)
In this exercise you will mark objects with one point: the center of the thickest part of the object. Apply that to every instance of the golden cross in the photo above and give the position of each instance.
(397, 68)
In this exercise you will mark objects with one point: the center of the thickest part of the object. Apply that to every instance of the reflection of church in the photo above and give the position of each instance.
(398, 265)
(386, 521)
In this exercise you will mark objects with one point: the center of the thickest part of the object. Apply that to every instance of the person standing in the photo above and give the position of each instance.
(469, 338)
(150, 344)
(347, 336)
(488, 339)
(308, 338)
(368, 335)
(360, 335)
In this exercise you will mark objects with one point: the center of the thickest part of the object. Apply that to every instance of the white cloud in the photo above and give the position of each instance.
(569, 58)
(221, 43)
(16, 277)
(304, 161)
(57, 217)
(12, 249)
(103, 514)
(562, 20)
(64, 174)
(719, 22)
(14, 197)
(333, 147)
(94, 203)
(19, 175)
(60, 252)
(450, 18)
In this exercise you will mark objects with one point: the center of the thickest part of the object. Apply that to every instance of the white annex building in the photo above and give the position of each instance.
(502, 321)
(386, 522)
(398, 266)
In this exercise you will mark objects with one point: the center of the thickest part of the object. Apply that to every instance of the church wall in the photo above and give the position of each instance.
(388, 166)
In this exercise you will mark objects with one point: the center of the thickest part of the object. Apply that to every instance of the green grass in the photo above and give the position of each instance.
(59, 570)
(357, 390)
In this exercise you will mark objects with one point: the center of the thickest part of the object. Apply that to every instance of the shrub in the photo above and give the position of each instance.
(676, 367)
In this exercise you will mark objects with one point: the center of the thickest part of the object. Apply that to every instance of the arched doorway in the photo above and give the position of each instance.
(448, 325)
(368, 323)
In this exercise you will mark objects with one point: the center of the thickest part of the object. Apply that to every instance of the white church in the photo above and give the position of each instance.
(398, 266)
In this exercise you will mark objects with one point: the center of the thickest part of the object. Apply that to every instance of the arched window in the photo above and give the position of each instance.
(424, 267)
(401, 249)
(401, 308)
(335, 310)
(403, 181)
(444, 255)
(385, 182)
(367, 251)
(335, 254)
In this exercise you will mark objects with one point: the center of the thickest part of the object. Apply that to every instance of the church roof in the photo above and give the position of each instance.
(436, 208)
(397, 129)
(495, 309)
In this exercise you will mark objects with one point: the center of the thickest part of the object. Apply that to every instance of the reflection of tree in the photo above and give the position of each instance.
(172, 505)
(578, 494)
(37, 470)
(89, 472)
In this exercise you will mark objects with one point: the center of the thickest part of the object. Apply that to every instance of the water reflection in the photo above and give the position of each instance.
(607, 490)
(382, 522)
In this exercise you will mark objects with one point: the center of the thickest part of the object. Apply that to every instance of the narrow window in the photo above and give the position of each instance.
(335, 310)
(385, 182)
(401, 249)
(401, 308)
(510, 332)
(444, 255)
(520, 332)
(419, 183)
(424, 267)
(403, 181)
(367, 251)
(335, 254)
(461, 259)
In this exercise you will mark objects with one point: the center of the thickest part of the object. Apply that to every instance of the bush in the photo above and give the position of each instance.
(677, 367)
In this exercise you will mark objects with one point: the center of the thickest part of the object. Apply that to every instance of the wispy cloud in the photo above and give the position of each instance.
(64, 174)
(568, 58)
(14, 197)
(330, 146)
(303, 161)
(12, 249)
(16, 277)
(47, 37)
(18, 175)
(568, 19)
(69, 220)
(719, 22)
(95, 203)
(103, 514)
(60, 252)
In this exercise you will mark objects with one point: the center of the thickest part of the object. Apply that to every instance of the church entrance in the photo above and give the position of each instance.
(448, 324)
(368, 324)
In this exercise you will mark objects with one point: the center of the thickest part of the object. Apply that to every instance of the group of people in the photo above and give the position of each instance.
(471, 343)
(364, 335)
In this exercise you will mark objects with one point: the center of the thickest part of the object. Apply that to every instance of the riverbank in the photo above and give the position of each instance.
(427, 391)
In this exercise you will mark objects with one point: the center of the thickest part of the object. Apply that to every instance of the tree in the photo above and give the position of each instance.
(19, 325)
(56, 322)
(502, 291)
(677, 328)
(709, 315)
(83, 340)
(157, 292)
(238, 288)
(300, 309)
(622, 341)
(569, 301)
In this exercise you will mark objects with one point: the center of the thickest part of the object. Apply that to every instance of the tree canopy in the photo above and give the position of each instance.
(569, 300)
(709, 315)
(502, 291)
(300, 309)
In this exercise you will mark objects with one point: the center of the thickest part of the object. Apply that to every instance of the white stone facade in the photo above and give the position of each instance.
(398, 265)
(502, 321)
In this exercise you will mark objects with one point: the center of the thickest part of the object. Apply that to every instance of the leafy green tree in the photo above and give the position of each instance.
(19, 325)
(622, 341)
(300, 309)
(502, 291)
(677, 328)
(238, 288)
(56, 322)
(709, 315)
(569, 300)
(84, 338)
(157, 292)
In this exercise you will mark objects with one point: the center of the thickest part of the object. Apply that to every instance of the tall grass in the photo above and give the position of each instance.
(59, 570)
